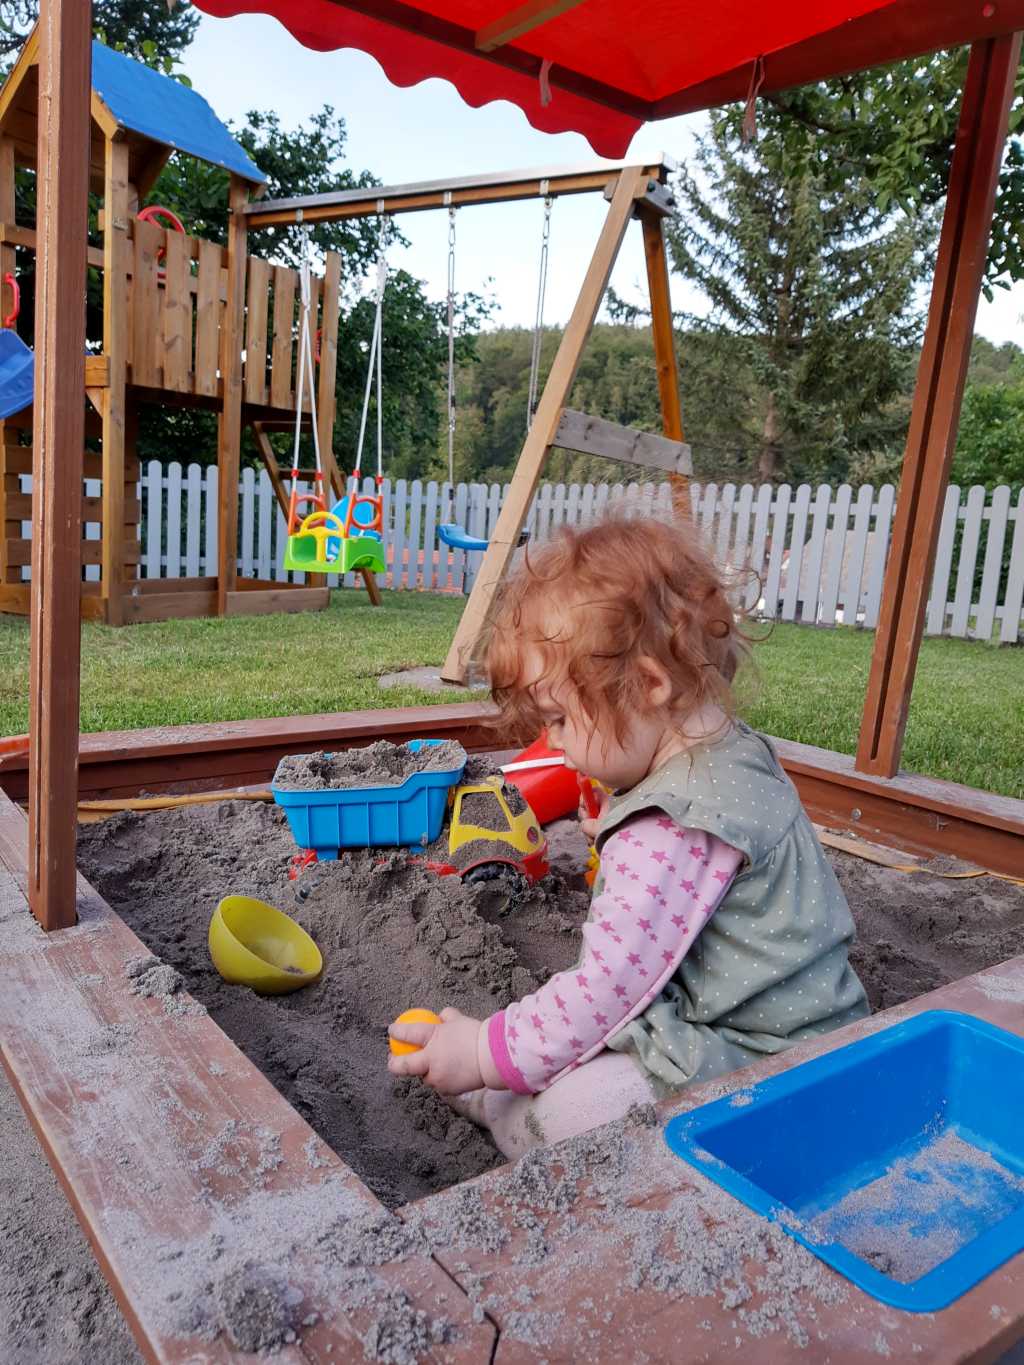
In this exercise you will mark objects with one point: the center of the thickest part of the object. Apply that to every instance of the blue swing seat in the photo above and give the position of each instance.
(457, 539)
(17, 373)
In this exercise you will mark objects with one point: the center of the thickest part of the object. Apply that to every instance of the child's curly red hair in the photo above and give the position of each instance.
(591, 602)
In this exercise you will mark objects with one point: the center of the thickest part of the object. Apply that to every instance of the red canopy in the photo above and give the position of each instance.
(616, 63)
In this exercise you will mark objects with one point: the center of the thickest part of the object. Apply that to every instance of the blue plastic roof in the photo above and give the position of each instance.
(146, 102)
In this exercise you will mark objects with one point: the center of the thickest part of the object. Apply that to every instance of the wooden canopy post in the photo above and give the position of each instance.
(58, 436)
(630, 185)
(229, 423)
(935, 415)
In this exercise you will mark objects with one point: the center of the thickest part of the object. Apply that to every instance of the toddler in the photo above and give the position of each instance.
(717, 933)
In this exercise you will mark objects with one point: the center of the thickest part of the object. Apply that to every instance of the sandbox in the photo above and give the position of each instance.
(394, 934)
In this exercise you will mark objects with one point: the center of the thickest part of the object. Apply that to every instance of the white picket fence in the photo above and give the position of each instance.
(818, 553)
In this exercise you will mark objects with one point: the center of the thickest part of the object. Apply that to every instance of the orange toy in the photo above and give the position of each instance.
(411, 1017)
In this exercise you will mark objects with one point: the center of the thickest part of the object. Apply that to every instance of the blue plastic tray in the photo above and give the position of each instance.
(933, 1109)
(370, 817)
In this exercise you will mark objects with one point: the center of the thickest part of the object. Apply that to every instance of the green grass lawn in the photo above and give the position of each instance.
(966, 719)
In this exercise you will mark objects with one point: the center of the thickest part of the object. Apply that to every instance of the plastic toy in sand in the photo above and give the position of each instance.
(415, 1016)
(253, 944)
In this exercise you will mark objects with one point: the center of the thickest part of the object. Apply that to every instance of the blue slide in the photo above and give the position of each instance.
(17, 373)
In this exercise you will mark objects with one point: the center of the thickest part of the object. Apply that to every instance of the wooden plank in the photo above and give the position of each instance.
(432, 550)
(935, 622)
(326, 397)
(282, 347)
(811, 573)
(17, 235)
(58, 436)
(502, 545)
(207, 319)
(146, 321)
(964, 594)
(118, 1125)
(229, 423)
(270, 464)
(1014, 600)
(993, 568)
(177, 315)
(18, 460)
(577, 431)
(168, 606)
(663, 334)
(260, 603)
(154, 518)
(835, 556)
(493, 187)
(960, 264)
(116, 257)
(794, 570)
(858, 548)
(623, 1196)
(248, 521)
(193, 521)
(780, 526)
(875, 580)
(265, 507)
(524, 18)
(19, 506)
(172, 554)
(256, 331)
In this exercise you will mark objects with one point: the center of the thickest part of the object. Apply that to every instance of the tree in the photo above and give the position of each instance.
(894, 126)
(990, 443)
(811, 286)
(133, 26)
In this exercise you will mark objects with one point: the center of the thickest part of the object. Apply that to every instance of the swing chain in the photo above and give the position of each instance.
(451, 349)
(538, 321)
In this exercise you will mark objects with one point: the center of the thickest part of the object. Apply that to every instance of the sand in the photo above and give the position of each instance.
(394, 935)
(377, 765)
(923, 1208)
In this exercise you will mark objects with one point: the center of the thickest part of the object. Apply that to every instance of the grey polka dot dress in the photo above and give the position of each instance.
(771, 966)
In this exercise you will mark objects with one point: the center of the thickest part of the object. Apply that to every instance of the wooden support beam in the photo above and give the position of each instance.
(663, 333)
(594, 436)
(498, 187)
(631, 185)
(58, 433)
(116, 257)
(520, 20)
(963, 245)
(229, 424)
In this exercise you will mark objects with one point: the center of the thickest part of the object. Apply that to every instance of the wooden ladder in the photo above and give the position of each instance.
(277, 480)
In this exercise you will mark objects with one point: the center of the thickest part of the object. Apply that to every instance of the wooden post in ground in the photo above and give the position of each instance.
(229, 423)
(504, 538)
(58, 436)
(935, 415)
(663, 333)
(116, 255)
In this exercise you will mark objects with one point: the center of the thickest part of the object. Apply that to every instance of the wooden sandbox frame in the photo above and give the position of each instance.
(51, 993)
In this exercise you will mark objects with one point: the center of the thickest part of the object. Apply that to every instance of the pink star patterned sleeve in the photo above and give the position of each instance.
(660, 884)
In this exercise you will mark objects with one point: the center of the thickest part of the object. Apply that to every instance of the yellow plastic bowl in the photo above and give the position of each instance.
(252, 944)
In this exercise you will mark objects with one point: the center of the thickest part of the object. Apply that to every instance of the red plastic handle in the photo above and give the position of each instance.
(12, 316)
(589, 797)
(153, 212)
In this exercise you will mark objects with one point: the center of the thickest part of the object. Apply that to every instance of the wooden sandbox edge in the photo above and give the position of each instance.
(164, 1136)
(918, 814)
(843, 1324)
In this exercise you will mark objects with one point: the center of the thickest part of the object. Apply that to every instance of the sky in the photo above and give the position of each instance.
(427, 132)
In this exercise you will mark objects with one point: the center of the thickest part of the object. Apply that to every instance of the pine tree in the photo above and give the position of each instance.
(817, 288)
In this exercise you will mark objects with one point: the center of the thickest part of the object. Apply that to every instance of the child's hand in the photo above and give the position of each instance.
(588, 821)
(447, 1058)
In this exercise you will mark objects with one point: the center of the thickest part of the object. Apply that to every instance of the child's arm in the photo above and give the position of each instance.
(661, 884)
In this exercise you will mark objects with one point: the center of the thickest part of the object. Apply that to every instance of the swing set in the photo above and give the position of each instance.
(349, 535)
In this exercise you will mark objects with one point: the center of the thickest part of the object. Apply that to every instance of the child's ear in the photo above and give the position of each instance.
(659, 685)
